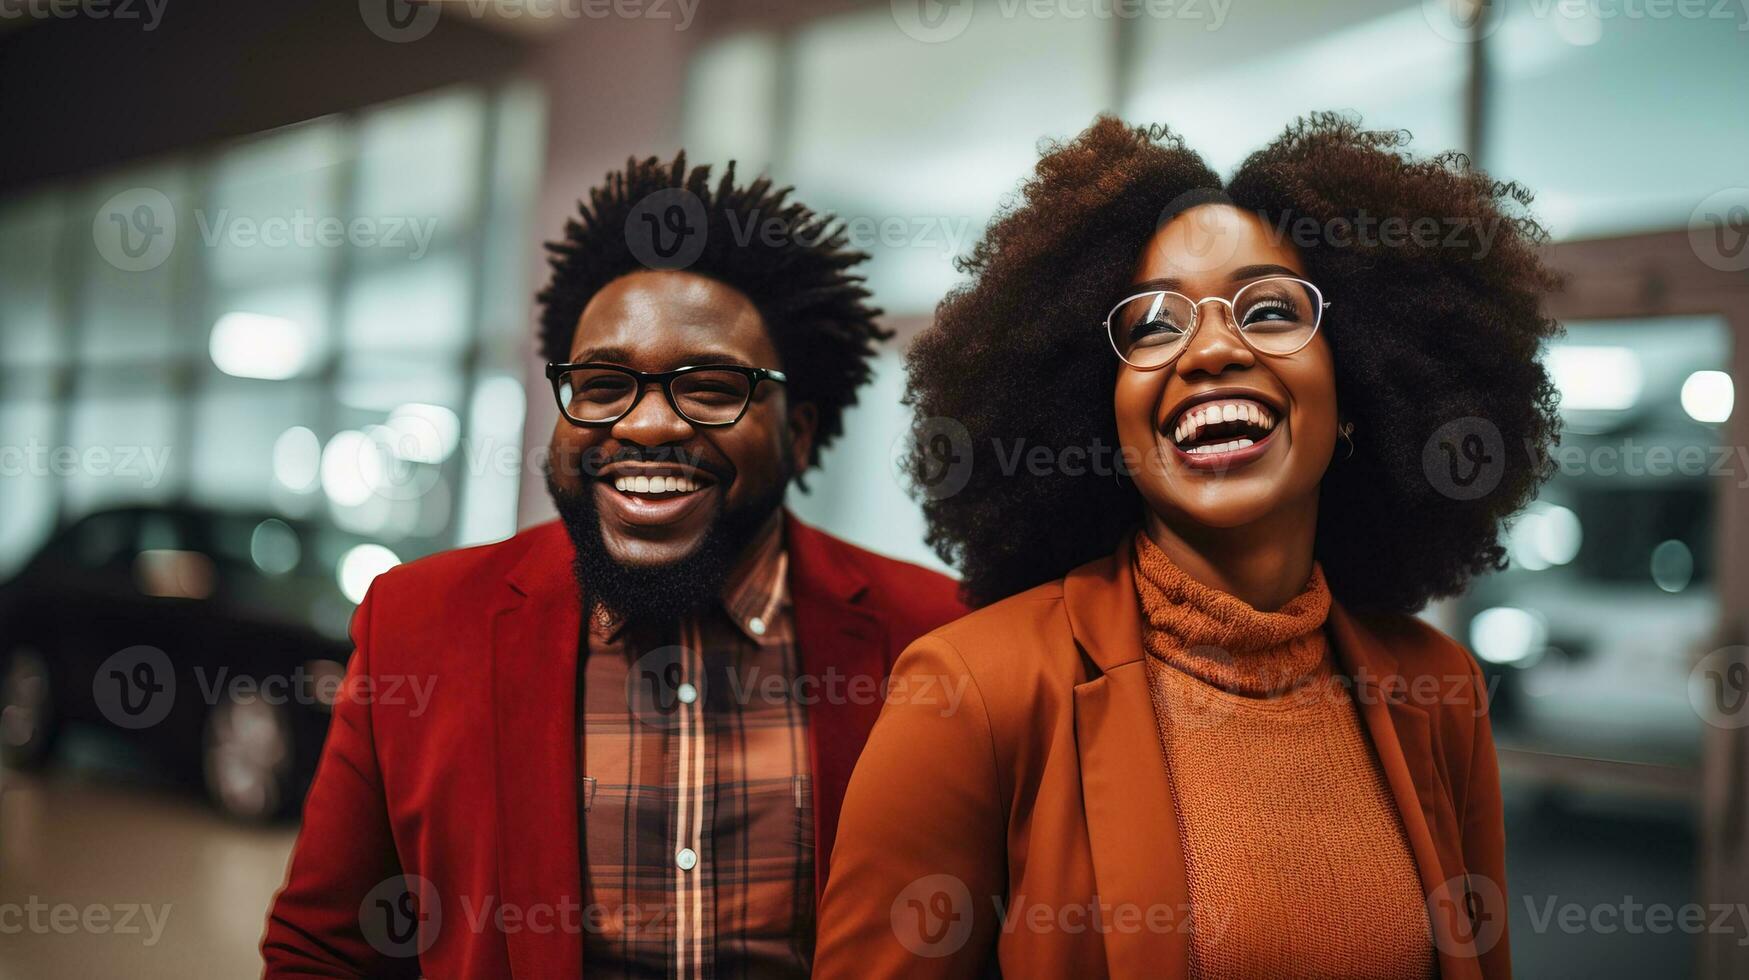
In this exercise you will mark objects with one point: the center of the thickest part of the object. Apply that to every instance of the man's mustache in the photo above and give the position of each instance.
(589, 463)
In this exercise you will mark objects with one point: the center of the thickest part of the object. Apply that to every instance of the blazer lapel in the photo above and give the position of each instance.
(1132, 821)
(838, 642)
(534, 697)
(1400, 733)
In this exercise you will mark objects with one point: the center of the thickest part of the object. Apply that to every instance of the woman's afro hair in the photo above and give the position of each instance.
(1435, 340)
(791, 262)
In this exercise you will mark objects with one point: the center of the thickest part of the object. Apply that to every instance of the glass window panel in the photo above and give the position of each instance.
(32, 238)
(23, 381)
(419, 161)
(370, 387)
(143, 229)
(917, 162)
(387, 470)
(1602, 667)
(237, 424)
(282, 328)
(266, 203)
(26, 435)
(731, 101)
(1667, 83)
(125, 447)
(859, 491)
(1588, 656)
(493, 461)
(414, 306)
(1232, 90)
(516, 178)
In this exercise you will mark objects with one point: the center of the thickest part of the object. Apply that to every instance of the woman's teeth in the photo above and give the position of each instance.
(1220, 447)
(1254, 419)
(654, 484)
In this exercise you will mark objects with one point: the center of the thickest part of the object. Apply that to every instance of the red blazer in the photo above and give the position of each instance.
(477, 792)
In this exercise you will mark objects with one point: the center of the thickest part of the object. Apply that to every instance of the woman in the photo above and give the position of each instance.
(1193, 731)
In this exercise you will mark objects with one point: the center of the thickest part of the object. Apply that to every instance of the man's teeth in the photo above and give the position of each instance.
(654, 484)
(1192, 422)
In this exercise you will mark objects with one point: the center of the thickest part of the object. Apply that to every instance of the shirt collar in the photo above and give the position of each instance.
(758, 590)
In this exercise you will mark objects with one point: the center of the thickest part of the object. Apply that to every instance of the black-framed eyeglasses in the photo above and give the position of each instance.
(1277, 316)
(596, 394)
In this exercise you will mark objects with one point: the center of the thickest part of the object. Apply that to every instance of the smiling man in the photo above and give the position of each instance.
(643, 715)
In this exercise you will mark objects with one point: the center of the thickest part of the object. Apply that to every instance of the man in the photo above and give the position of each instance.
(643, 715)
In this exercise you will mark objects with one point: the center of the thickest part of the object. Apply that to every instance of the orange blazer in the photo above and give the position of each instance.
(1011, 811)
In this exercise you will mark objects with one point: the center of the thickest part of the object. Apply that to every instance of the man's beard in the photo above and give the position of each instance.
(663, 593)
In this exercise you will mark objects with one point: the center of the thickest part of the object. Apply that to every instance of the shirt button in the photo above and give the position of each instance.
(686, 692)
(756, 626)
(687, 859)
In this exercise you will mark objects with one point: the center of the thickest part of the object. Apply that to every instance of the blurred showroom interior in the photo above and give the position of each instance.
(223, 427)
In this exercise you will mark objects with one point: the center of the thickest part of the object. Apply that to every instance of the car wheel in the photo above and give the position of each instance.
(28, 723)
(248, 753)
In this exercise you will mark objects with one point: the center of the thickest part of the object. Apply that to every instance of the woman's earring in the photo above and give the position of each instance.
(1347, 432)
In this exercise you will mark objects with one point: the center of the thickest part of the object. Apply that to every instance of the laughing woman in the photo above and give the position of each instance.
(1194, 731)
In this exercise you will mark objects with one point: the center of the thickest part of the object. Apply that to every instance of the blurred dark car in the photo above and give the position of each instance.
(214, 640)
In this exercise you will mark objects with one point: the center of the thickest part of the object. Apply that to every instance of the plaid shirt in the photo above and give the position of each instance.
(698, 830)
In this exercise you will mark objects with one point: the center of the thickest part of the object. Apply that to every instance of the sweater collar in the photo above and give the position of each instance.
(1221, 639)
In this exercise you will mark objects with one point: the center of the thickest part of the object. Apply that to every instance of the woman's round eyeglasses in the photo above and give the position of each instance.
(1277, 317)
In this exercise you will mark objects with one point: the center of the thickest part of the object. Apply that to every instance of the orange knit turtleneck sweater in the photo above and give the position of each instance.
(1293, 847)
